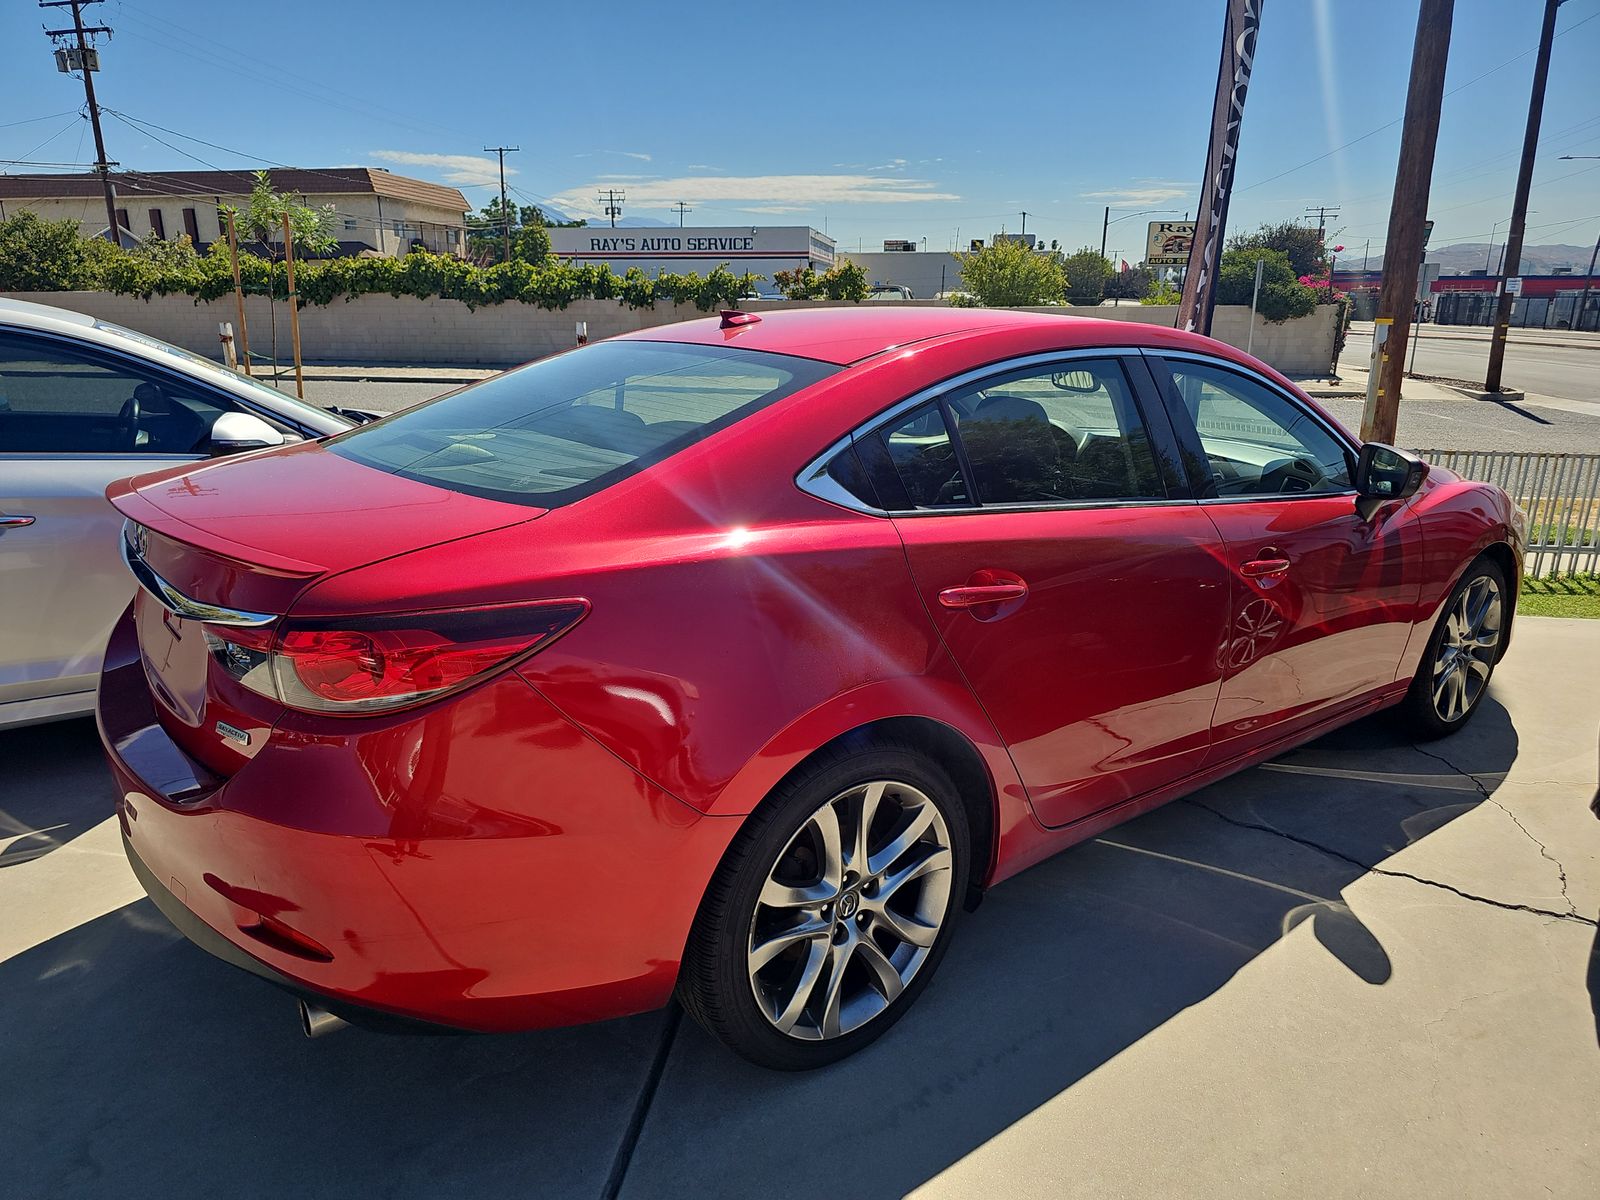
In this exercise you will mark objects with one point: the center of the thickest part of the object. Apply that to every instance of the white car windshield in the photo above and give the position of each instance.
(197, 364)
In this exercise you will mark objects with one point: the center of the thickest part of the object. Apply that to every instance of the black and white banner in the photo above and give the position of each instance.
(1233, 81)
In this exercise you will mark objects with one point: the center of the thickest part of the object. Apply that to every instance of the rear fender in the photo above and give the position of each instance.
(926, 697)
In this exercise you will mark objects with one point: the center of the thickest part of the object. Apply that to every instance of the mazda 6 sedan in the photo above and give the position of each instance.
(734, 660)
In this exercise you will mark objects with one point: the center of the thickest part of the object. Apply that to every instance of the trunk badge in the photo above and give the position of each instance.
(233, 733)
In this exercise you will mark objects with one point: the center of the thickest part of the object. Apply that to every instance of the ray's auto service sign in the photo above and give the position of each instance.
(1168, 243)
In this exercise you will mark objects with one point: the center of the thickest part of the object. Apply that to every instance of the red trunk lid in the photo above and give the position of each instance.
(251, 534)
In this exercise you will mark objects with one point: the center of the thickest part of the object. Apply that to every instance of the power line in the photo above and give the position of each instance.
(682, 208)
(612, 199)
(1391, 124)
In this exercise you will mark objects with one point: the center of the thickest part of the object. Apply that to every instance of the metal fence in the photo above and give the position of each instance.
(1559, 492)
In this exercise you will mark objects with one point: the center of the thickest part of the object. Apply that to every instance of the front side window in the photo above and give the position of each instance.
(567, 426)
(55, 399)
(1257, 441)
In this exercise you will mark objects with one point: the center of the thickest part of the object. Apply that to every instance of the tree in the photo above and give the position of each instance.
(1009, 274)
(264, 213)
(1132, 284)
(1087, 273)
(1300, 243)
(1282, 295)
(38, 255)
(530, 242)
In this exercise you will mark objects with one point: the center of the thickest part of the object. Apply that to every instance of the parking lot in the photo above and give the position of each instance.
(1365, 968)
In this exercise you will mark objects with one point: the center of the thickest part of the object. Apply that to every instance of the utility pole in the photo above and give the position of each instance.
(1519, 206)
(1402, 252)
(505, 208)
(1583, 300)
(682, 208)
(81, 33)
(1323, 213)
(1024, 234)
(612, 199)
(1364, 255)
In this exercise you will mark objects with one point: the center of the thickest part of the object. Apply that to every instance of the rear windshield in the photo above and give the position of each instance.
(565, 427)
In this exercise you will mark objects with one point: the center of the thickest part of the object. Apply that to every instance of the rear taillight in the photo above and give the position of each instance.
(369, 664)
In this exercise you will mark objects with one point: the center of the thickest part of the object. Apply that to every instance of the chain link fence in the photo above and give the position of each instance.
(1559, 492)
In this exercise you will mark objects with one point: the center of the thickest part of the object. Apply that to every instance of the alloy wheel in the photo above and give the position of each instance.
(850, 910)
(1466, 654)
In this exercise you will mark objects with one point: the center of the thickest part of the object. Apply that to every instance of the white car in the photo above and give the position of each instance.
(84, 403)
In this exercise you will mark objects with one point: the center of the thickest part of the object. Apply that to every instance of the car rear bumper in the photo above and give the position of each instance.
(480, 864)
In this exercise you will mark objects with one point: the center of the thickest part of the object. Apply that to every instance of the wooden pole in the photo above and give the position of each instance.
(238, 295)
(1511, 264)
(294, 308)
(1402, 253)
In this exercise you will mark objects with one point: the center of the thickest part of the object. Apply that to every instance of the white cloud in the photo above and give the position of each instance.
(468, 169)
(1142, 192)
(704, 167)
(794, 192)
(773, 208)
(619, 153)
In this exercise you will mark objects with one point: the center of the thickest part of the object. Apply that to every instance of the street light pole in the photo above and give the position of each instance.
(1519, 206)
(1488, 257)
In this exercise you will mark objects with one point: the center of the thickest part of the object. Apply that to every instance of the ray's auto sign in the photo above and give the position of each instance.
(1168, 243)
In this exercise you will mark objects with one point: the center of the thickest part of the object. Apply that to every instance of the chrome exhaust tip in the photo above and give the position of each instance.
(316, 1021)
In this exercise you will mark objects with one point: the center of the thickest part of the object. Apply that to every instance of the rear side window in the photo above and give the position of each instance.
(565, 427)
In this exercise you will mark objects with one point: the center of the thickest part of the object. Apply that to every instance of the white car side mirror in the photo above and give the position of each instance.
(236, 431)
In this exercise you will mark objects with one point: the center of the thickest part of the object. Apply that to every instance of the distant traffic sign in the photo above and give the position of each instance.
(1514, 286)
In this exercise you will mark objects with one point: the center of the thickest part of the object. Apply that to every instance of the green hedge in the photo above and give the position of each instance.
(37, 255)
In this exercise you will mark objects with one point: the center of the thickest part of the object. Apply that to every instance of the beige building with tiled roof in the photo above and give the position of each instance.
(376, 211)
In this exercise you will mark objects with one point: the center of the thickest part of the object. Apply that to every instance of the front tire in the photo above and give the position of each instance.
(831, 910)
(1453, 677)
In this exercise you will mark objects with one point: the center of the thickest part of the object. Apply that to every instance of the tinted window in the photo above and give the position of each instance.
(924, 460)
(56, 399)
(1256, 441)
(562, 428)
(1062, 433)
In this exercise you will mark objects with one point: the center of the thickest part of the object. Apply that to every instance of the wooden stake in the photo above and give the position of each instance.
(238, 295)
(294, 308)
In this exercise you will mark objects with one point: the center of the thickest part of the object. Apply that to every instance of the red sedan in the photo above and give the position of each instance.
(736, 658)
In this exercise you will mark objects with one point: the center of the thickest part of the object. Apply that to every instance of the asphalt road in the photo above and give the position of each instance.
(1565, 372)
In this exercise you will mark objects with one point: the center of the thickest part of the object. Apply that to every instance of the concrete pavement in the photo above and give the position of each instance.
(1367, 968)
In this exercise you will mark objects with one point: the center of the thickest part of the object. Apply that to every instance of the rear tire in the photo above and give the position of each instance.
(815, 935)
(1453, 676)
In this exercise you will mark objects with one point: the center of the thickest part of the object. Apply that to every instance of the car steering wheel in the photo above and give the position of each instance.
(128, 421)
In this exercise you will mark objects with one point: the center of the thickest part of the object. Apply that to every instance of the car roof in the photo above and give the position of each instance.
(848, 334)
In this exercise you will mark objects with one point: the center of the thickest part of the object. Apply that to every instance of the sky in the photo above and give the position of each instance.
(886, 119)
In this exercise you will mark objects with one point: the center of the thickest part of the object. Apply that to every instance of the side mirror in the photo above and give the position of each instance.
(1384, 474)
(236, 431)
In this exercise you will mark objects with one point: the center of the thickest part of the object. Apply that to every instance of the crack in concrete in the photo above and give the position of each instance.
(1371, 868)
(1561, 871)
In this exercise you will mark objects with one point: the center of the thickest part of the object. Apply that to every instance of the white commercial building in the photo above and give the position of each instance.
(926, 272)
(757, 249)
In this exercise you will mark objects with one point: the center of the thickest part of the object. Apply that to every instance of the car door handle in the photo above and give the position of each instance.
(973, 596)
(1256, 568)
(8, 522)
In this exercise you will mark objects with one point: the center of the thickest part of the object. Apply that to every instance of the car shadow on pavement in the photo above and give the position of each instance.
(136, 1065)
(41, 811)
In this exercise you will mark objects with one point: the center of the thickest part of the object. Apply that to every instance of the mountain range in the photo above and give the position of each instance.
(1464, 257)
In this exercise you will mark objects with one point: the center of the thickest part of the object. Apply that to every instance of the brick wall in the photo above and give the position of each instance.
(387, 329)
